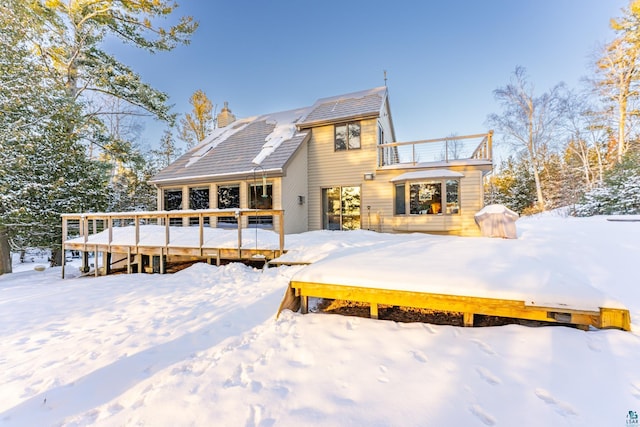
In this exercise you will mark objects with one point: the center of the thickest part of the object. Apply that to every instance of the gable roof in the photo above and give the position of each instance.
(357, 105)
(266, 141)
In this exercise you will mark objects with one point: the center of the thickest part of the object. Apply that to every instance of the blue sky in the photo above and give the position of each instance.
(443, 58)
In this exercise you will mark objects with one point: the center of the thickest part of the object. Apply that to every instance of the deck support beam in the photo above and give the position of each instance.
(374, 310)
(468, 319)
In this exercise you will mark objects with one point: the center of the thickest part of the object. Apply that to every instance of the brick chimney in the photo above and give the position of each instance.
(225, 117)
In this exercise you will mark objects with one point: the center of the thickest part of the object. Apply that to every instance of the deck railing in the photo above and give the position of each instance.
(449, 149)
(78, 229)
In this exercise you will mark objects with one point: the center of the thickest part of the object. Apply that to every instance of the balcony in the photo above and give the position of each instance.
(453, 149)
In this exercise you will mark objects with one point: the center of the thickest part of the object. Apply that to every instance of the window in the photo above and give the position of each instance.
(427, 198)
(198, 199)
(173, 202)
(341, 208)
(228, 198)
(453, 201)
(347, 136)
(259, 198)
(400, 208)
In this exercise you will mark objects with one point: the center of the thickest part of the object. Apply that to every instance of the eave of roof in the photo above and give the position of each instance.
(308, 125)
(241, 175)
(427, 174)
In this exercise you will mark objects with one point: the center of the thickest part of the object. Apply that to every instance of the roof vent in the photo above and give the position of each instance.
(225, 117)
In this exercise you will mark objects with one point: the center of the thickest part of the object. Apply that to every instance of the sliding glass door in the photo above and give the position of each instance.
(341, 208)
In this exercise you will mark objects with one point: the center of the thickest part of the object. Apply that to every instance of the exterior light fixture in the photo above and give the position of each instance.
(368, 176)
(301, 200)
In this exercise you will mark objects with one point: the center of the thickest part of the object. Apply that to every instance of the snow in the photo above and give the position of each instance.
(285, 129)
(428, 174)
(216, 137)
(155, 235)
(202, 346)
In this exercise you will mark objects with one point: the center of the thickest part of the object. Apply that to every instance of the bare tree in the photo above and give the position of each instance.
(617, 80)
(529, 123)
(587, 137)
(197, 124)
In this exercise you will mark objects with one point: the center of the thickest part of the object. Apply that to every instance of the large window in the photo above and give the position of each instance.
(347, 136)
(198, 199)
(434, 197)
(341, 208)
(228, 198)
(173, 202)
(425, 198)
(261, 197)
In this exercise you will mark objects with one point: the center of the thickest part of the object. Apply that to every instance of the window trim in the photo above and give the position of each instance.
(346, 142)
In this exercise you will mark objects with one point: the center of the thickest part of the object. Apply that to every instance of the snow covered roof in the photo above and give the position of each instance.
(427, 174)
(344, 107)
(268, 141)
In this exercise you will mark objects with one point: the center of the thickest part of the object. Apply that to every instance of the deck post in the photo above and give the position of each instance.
(64, 255)
(137, 228)
(374, 310)
(490, 144)
(281, 230)
(64, 237)
(166, 231)
(239, 236)
(304, 304)
(85, 261)
(162, 261)
(128, 259)
(467, 319)
(95, 259)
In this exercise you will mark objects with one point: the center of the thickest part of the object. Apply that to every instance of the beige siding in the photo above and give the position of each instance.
(294, 184)
(329, 168)
(380, 194)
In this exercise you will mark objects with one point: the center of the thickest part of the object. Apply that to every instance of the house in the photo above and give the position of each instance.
(334, 165)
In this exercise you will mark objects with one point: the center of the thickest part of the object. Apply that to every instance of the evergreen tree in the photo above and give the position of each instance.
(513, 186)
(53, 69)
(618, 194)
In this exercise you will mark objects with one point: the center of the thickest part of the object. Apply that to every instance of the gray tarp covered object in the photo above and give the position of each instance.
(497, 221)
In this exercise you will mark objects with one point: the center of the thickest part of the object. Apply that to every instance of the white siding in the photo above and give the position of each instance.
(294, 184)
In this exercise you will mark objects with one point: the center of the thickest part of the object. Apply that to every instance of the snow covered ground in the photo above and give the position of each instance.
(202, 347)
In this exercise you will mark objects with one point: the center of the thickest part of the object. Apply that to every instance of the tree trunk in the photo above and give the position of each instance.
(622, 117)
(56, 258)
(536, 177)
(5, 252)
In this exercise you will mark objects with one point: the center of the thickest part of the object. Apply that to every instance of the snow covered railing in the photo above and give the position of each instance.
(178, 232)
(446, 150)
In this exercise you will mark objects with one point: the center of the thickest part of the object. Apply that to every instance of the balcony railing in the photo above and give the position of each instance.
(449, 149)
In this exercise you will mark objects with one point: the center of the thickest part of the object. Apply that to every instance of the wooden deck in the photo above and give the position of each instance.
(95, 233)
(469, 306)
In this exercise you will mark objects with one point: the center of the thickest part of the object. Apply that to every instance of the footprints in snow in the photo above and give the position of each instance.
(482, 415)
(560, 407)
(487, 376)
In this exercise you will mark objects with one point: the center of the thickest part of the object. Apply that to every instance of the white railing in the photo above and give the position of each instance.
(452, 148)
